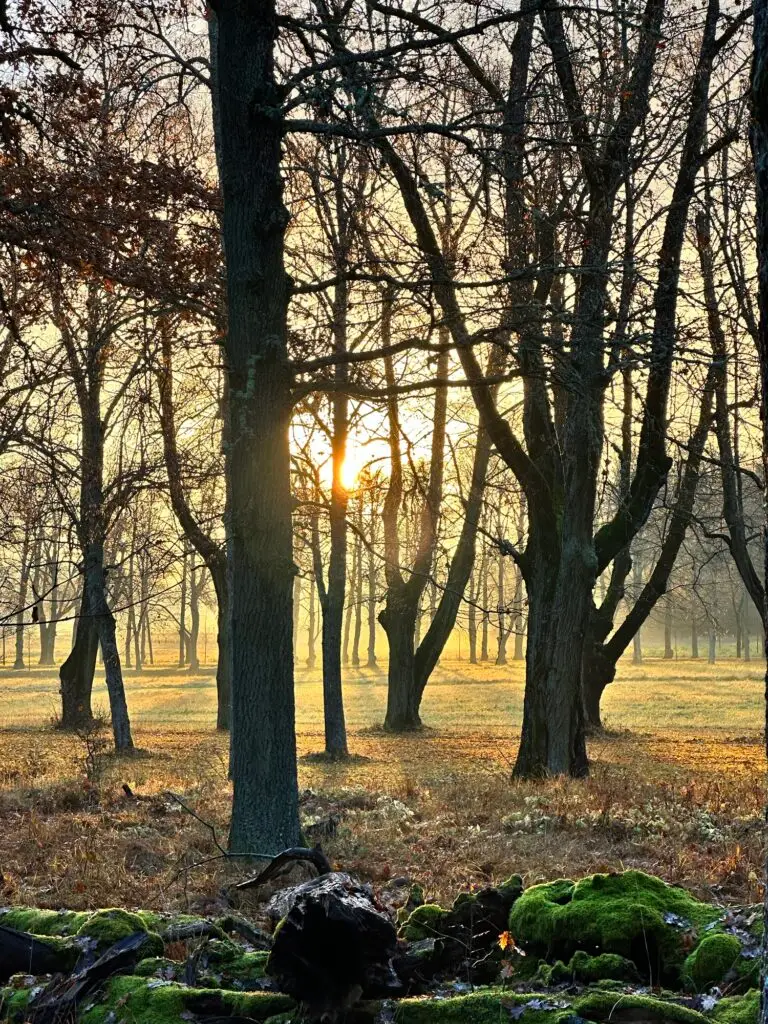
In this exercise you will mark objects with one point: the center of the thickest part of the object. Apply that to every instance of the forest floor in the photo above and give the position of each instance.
(677, 788)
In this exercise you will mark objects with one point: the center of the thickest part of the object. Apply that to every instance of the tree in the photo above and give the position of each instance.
(259, 542)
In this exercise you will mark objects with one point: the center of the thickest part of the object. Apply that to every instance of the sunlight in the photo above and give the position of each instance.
(354, 462)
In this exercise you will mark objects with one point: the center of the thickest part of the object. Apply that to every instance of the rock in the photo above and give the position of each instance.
(716, 957)
(333, 946)
(632, 914)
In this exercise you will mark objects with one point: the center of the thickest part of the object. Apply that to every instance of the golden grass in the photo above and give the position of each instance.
(677, 788)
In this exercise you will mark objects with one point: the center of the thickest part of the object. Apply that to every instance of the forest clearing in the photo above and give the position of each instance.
(677, 788)
(383, 511)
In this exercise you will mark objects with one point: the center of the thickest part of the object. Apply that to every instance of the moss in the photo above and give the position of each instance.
(585, 968)
(602, 1006)
(632, 914)
(142, 1002)
(13, 1002)
(44, 922)
(425, 922)
(489, 1006)
(737, 1009)
(109, 926)
(235, 962)
(711, 960)
(512, 887)
(154, 965)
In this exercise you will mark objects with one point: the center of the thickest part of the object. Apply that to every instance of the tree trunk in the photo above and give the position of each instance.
(553, 736)
(357, 596)
(501, 651)
(712, 653)
(598, 671)
(669, 651)
(195, 586)
(296, 612)
(183, 611)
(224, 658)
(105, 627)
(311, 628)
(76, 672)
(694, 637)
(259, 530)
(48, 644)
(22, 599)
(472, 621)
(485, 613)
(371, 660)
(399, 621)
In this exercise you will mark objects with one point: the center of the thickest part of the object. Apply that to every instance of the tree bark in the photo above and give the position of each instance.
(259, 530)
(77, 671)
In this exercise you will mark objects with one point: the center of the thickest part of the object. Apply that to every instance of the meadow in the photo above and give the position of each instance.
(677, 788)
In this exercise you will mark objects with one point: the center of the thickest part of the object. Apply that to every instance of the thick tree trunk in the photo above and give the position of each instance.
(260, 564)
(559, 589)
(76, 672)
(694, 637)
(399, 622)
(712, 650)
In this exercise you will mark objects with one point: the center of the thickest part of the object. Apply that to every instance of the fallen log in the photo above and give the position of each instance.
(60, 999)
(22, 953)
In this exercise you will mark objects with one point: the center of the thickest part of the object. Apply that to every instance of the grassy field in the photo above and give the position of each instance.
(677, 787)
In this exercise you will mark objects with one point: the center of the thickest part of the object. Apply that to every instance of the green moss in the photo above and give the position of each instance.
(585, 968)
(235, 962)
(144, 1002)
(109, 926)
(484, 1006)
(13, 1001)
(711, 960)
(44, 922)
(603, 1006)
(425, 922)
(737, 1009)
(153, 965)
(636, 915)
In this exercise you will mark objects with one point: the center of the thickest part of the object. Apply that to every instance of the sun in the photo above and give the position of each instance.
(351, 467)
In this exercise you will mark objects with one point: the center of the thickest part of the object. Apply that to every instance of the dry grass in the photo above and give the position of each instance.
(677, 788)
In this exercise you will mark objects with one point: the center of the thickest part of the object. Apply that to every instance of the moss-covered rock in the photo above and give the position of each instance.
(233, 963)
(44, 922)
(156, 1001)
(104, 927)
(490, 1006)
(714, 957)
(587, 969)
(632, 914)
(428, 921)
(742, 1009)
